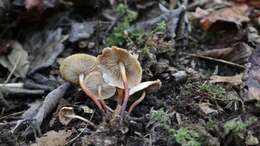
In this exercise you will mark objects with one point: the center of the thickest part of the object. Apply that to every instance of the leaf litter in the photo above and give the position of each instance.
(207, 101)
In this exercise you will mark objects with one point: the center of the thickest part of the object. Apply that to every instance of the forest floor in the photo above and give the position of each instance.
(206, 54)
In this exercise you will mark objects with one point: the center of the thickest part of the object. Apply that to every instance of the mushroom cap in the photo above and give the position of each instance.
(94, 81)
(63, 115)
(149, 87)
(109, 64)
(74, 65)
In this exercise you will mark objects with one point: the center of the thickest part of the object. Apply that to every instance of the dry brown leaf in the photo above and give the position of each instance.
(253, 3)
(233, 80)
(200, 13)
(53, 138)
(237, 14)
(252, 76)
(238, 53)
(206, 109)
(30, 4)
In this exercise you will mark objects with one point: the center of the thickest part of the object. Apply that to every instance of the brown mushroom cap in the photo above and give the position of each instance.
(74, 65)
(109, 64)
(94, 82)
(149, 87)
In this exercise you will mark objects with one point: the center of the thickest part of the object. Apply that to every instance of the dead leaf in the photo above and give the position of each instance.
(43, 48)
(4, 5)
(30, 4)
(39, 111)
(40, 5)
(206, 109)
(200, 13)
(253, 36)
(53, 138)
(237, 14)
(233, 80)
(252, 78)
(81, 31)
(4, 46)
(16, 60)
(238, 53)
(50, 102)
(253, 3)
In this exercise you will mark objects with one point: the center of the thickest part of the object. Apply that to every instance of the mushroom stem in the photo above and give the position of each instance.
(119, 99)
(136, 102)
(82, 119)
(125, 82)
(101, 98)
(89, 93)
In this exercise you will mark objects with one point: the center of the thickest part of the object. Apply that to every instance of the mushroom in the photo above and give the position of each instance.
(147, 87)
(75, 67)
(95, 83)
(120, 69)
(66, 114)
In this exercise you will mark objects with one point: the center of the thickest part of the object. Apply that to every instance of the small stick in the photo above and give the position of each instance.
(14, 68)
(218, 60)
(13, 85)
(3, 102)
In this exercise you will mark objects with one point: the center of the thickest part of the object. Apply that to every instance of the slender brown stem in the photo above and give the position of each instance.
(119, 99)
(82, 119)
(136, 102)
(101, 98)
(89, 93)
(119, 96)
(125, 83)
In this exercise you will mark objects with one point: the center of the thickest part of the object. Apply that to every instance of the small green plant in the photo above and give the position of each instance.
(257, 104)
(235, 126)
(214, 90)
(118, 36)
(187, 137)
(161, 27)
(159, 116)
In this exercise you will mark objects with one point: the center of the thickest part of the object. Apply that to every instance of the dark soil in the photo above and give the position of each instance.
(188, 110)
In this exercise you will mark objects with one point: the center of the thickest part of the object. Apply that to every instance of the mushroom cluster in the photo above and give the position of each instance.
(114, 73)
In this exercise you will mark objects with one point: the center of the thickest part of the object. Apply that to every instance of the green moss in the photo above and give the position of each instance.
(212, 89)
(161, 27)
(235, 126)
(118, 36)
(257, 104)
(160, 117)
(187, 137)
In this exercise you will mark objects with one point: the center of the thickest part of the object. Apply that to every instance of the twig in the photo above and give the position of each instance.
(13, 69)
(10, 115)
(3, 102)
(218, 60)
(8, 91)
(13, 85)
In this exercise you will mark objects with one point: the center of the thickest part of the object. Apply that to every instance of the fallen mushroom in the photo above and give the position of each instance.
(75, 67)
(120, 69)
(95, 83)
(147, 87)
(66, 114)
